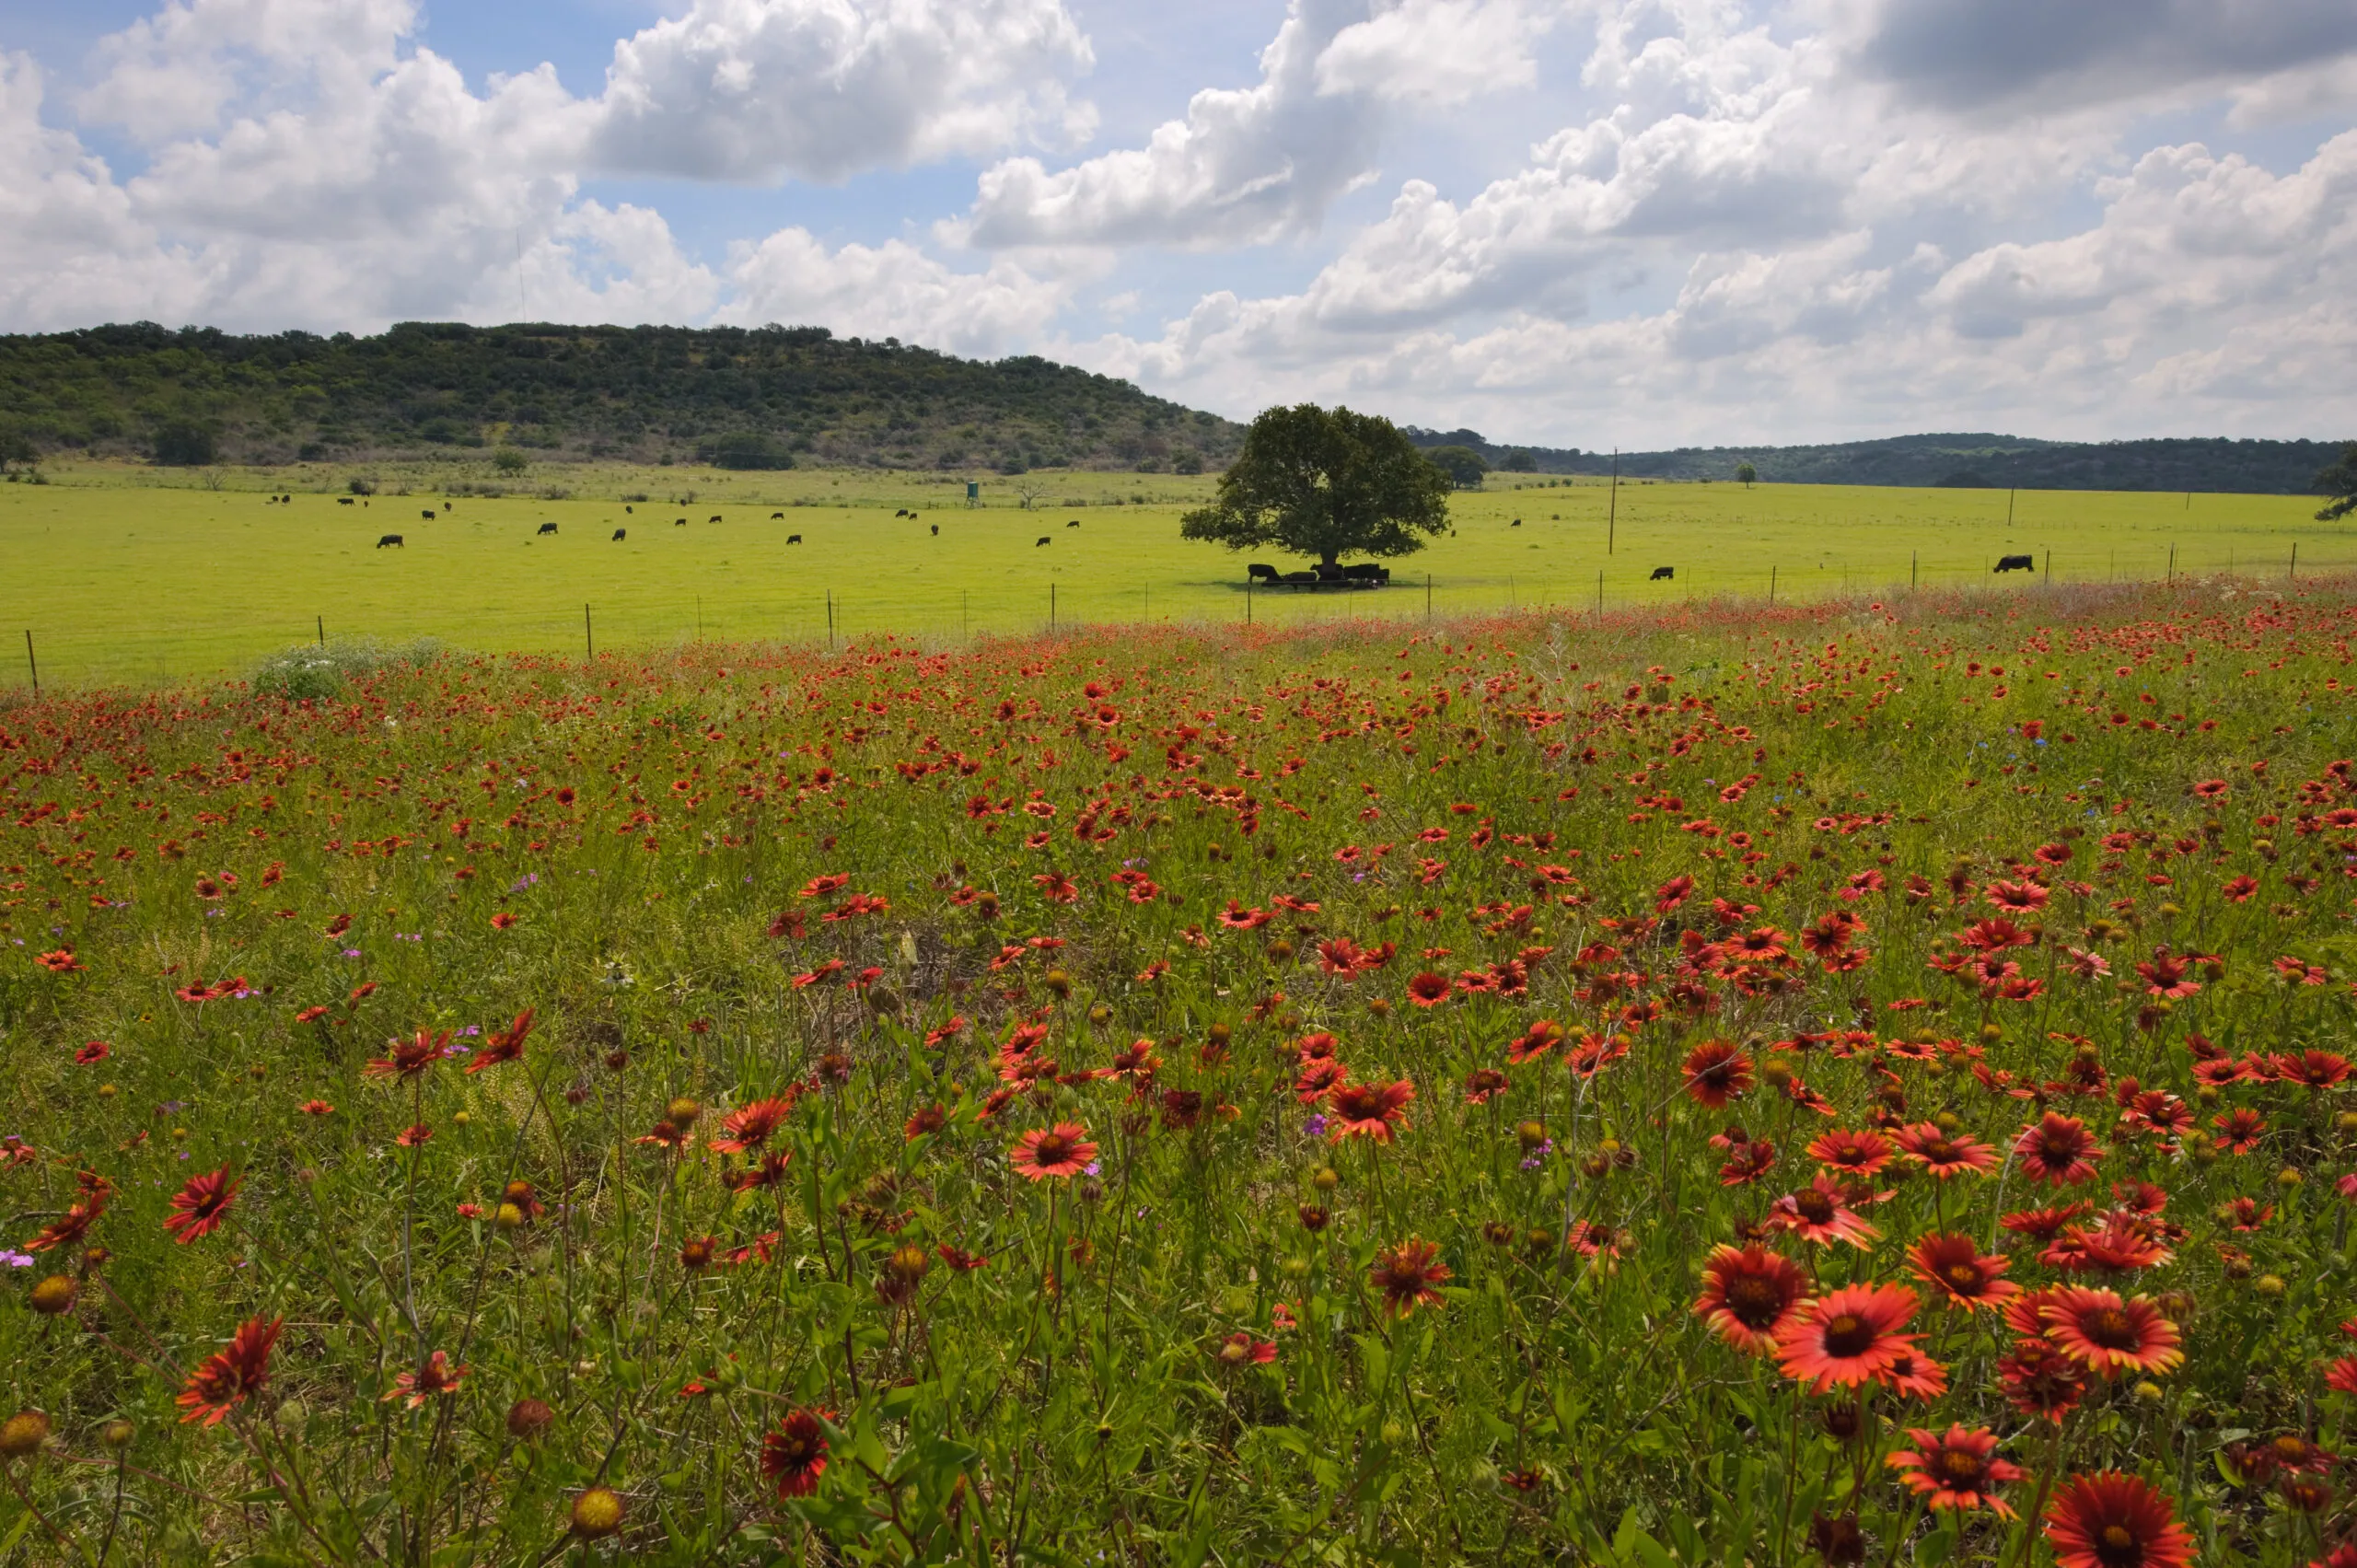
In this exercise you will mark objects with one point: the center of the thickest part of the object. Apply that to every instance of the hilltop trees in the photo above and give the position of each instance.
(1321, 483)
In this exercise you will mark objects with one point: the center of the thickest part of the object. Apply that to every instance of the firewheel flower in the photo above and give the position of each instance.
(1409, 1276)
(1954, 1267)
(405, 1058)
(1369, 1110)
(1848, 1338)
(504, 1045)
(1061, 1150)
(432, 1375)
(751, 1127)
(1716, 1072)
(198, 1208)
(1747, 1295)
(1956, 1472)
(2107, 1335)
(1941, 1155)
(2112, 1519)
(793, 1454)
(2058, 1150)
(230, 1375)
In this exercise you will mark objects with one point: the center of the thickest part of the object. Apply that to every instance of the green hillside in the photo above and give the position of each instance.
(771, 397)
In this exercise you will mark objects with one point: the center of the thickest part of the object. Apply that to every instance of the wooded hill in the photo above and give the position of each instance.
(769, 397)
(1964, 461)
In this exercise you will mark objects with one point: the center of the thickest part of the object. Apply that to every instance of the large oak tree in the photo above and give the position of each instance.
(1324, 483)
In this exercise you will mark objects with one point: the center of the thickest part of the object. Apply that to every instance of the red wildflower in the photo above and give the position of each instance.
(198, 1208)
(1716, 1072)
(228, 1375)
(504, 1045)
(751, 1127)
(1943, 1154)
(1409, 1276)
(434, 1375)
(1820, 1213)
(793, 1453)
(1848, 1338)
(1958, 1269)
(405, 1058)
(2114, 1520)
(2059, 1151)
(1063, 1150)
(1860, 1153)
(1370, 1111)
(1428, 990)
(2107, 1335)
(1747, 1295)
(1956, 1471)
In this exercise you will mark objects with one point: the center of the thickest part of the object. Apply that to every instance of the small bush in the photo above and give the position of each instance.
(310, 672)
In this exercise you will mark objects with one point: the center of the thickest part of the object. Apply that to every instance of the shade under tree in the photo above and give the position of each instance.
(1324, 483)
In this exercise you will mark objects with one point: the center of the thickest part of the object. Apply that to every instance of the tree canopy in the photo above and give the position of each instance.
(1464, 466)
(1324, 483)
(1746, 474)
(2340, 482)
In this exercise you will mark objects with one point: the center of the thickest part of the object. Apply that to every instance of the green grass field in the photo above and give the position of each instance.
(133, 574)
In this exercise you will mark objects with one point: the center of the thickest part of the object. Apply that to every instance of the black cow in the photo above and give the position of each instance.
(1367, 572)
(621, 533)
(1662, 571)
(793, 538)
(446, 506)
(344, 500)
(901, 512)
(1073, 524)
(679, 522)
(1515, 524)
(2016, 563)
(936, 530)
(1299, 580)
(1043, 538)
(392, 539)
(545, 528)
(629, 509)
(912, 518)
(777, 517)
(1259, 569)
(429, 515)
(714, 518)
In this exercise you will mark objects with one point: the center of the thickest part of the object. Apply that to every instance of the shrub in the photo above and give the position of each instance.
(313, 672)
(185, 444)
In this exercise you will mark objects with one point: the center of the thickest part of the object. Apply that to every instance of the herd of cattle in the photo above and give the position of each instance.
(1367, 575)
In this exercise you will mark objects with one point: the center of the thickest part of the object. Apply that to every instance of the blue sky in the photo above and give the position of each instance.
(1580, 222)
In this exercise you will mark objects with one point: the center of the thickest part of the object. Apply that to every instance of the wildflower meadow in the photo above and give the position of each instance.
(1862, 1081)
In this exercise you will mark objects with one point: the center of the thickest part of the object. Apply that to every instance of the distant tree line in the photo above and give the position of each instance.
(764, 397)
(1955, 461)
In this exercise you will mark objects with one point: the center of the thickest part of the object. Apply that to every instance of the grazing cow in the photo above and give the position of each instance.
(1043, 538)
(1258, 569)
(902, 512)
(2014, 563)
(629, 509)
(548, 528)
(392, 539)
(621, 533)
(1662, 571)
(793, 538)
(679, 522)
(429, 515)
(446, 506)
(1073, 524)
(936, 530)
(777, 517)
(344, 500)
(912, 518)
(714, 518)
(1515, 524)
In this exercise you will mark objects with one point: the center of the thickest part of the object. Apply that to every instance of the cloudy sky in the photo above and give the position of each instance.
(1580, 222)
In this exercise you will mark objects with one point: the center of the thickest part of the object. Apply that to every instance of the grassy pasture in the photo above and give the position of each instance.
(132, 574)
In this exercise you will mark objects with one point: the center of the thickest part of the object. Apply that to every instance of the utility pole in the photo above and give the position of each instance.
(1612, 521)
